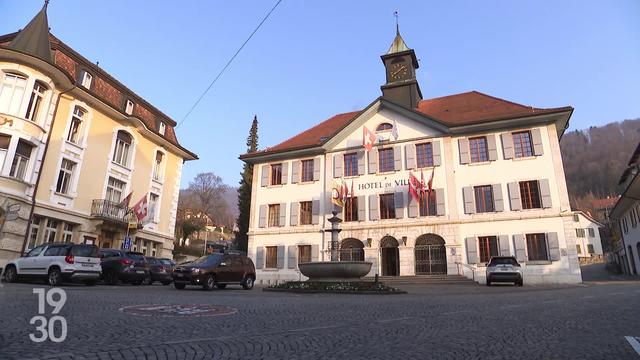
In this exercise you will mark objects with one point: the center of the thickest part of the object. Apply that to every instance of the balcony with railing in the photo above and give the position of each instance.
(109, 210)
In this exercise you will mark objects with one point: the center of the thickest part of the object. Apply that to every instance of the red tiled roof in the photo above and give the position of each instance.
(475, 107)
(316, 135)
(454, 110)
(605, 203)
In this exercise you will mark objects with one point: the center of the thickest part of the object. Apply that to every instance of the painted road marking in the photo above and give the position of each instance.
(634, 343)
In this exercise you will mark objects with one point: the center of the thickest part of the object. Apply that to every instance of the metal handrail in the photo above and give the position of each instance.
(473, 269)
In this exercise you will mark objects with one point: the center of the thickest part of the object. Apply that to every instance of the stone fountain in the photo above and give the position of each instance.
(335, 270)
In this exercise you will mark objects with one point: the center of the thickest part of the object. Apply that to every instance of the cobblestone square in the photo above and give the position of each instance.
(431, 322)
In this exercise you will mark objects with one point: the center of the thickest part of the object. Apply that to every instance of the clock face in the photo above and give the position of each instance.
(398, 71)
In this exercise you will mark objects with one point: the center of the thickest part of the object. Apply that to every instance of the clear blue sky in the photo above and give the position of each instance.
(314, 59)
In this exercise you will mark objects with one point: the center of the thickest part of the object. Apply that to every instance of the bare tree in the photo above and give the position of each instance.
(206, 194)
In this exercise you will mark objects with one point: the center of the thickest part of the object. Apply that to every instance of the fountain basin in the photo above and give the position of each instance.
(332, 271)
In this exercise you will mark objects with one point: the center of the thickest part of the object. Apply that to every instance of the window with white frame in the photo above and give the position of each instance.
(33, 232)
(162, 128)
(51, 230)
(87, 79)
(76, 125)
(154, 248)
(122, 150)
(4, 147)
(65, 176)
(67, 232)
(129, 107)
(145, 246)
(153, 206)
(115, 188)
(12, 91)
(35, 101)
(21, 160)
(157, 166)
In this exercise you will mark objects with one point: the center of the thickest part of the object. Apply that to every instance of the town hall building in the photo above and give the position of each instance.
(497, 187)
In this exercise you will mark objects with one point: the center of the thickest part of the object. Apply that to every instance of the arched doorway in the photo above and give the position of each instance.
(390, 256)
(351, 250)
(430, 255)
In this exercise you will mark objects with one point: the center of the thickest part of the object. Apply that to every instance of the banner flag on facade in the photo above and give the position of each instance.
(336, 194)
(394, 130)
(423, 185)
(414, 185)
(430, 184)
(141, 208)
(368, 138)
(125, 202)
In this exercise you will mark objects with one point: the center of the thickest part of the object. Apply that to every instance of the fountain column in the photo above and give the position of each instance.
(335, 230)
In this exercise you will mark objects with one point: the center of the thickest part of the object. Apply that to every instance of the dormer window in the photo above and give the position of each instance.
(129, 108)
(86, 80)
(162, 128)
(37, 96)
(384, 127)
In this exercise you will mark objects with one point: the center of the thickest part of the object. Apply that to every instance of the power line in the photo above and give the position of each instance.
(228, 63)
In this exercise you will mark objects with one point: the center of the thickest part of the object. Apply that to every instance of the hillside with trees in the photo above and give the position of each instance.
(595, 158)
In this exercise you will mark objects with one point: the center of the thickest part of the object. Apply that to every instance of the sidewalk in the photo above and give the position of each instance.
(596, 273)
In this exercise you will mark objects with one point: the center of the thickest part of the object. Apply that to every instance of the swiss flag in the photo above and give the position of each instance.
(368, 138)
(141, 208)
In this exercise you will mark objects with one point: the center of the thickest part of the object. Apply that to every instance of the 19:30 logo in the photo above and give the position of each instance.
(47, 328)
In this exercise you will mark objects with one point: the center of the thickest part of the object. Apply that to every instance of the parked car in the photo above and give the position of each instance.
(124, 266)
(504, 269)
(57, 263)
(161, 271)
(217, 269)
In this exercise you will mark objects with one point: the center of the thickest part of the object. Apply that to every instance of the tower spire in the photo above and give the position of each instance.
(398, 44)
(34, 38)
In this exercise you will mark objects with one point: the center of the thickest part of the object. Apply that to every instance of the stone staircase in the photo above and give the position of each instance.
(424, 280)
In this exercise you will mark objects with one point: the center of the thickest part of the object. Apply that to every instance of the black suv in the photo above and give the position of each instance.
(125, 266)
(218, 269)
(160, 269)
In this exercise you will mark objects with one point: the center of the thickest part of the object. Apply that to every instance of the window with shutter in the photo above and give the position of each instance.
(307, 170)
(483, 198)
(274, 215)
(428, 203)
(305, 212)
(522, 146)
(271, 257)
(351, 164)
(478, 149)
(530, 195)
(424, 155)
(537, 247)
(304, 254)
(488, 246)
(276, 174)
(351, 209)
(385, 160)
(387, 206)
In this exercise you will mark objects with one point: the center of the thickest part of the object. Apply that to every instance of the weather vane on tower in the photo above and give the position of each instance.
(395, 13)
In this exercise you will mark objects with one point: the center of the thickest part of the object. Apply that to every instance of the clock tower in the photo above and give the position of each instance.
(400, 63)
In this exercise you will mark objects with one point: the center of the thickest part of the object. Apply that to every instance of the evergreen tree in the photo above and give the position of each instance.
(244, 192)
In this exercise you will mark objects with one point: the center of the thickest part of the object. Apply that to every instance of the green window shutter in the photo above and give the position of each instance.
(315, 211)
(467, 196)
(398, 202)
(316, 169)
(315, 252)
(504, 245)
(262, 221)
(545, 193)
(337, 165)
(293, 214)
(361, 162)
(520, 246)
(498, 203)
(265, 175)
(283, 214)
(440, 202)
(285, 172)
(373, 161)
(280, 258)
(492, 148)
(373, 207)
(514, 195)
(554, 248)
(536, 139)
(397, 158)
(295, 171)
(259, 257)
(410, 156)
(435, 148)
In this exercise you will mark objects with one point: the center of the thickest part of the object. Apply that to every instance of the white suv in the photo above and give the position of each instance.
(57, 263)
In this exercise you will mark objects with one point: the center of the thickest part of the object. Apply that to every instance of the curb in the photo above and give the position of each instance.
(348, 292)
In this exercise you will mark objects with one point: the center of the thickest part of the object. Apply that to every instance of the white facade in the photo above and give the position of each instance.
(457, 232)
(588, 243)
(630, 230)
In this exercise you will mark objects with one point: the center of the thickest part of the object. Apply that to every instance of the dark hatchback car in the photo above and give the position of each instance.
(125, 266)
(160, 270)
(504, 269)
(218, 269)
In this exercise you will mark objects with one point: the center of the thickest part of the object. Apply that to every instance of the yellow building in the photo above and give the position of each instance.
(74, 142)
